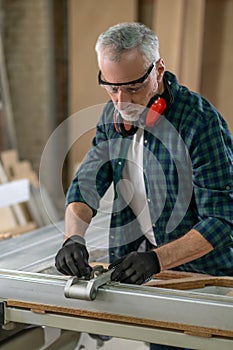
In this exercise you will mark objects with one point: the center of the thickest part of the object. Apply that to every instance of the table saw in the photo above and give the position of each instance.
(179, 309)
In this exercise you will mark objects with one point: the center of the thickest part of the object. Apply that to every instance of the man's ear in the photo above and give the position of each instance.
(160, 67)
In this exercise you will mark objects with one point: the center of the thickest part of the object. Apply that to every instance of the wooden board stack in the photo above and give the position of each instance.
(27, 216)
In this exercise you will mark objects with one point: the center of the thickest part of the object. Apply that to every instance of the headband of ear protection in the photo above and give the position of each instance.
(157, 106)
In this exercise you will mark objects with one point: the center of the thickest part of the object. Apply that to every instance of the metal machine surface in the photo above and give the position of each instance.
(33, 293)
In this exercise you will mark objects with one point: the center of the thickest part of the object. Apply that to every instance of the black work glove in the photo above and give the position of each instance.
(135, 268)
(72, 258)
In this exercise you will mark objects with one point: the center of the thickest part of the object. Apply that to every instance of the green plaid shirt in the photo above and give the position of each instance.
(188, 168)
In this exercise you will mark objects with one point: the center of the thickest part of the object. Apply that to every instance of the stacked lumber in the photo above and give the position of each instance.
(20, 218)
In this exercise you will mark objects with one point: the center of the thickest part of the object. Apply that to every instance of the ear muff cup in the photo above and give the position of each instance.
(155, 111)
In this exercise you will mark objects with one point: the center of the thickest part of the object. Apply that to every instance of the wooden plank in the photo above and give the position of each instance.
(191, 55)
(192, 283)
(23, 169)
(180, 27)
(173, 274)
(188, 280)
(217, 63)
(14, 192)
(16, 208)
(8, 158)
(17, 230)
(16, 169)
(168, 24)
(34, 208)
(200, 331)
(8, 220)
(83, 69)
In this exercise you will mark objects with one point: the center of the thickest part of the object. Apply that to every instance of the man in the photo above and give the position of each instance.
(169, 154)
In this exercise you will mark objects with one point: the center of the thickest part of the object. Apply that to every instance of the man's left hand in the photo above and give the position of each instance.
(135, 268)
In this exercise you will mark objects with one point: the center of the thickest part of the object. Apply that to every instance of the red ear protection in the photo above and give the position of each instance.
(155, 111)
(152, 118)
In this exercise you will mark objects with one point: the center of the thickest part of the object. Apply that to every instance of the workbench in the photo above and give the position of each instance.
(165, 311)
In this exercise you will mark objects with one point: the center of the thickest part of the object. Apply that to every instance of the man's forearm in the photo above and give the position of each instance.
(189, 247)
(77, 219)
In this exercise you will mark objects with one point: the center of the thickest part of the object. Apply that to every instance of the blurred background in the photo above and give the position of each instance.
(48, 68)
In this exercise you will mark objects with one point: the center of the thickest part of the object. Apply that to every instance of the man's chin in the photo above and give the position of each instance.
(130, 117)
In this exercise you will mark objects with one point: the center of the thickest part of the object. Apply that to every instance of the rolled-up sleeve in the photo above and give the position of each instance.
(212, 159)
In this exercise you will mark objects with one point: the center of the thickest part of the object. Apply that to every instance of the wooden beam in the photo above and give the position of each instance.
(87, 19)
(180, 27)
(191, 54)
(168, 24)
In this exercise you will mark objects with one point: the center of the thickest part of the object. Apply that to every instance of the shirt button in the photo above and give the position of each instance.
(119, 163)
(148, 199)
(146, 141)
(154, 225)
(228, 187)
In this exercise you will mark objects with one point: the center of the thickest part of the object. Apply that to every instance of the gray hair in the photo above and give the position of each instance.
(125, 36)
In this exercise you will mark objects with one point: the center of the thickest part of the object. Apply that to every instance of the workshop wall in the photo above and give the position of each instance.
(35, 48)
(28, 41)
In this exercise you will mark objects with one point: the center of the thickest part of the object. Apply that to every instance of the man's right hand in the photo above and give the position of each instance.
(72, 258)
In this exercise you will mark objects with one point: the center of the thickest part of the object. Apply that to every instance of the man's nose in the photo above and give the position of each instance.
(123, 96)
